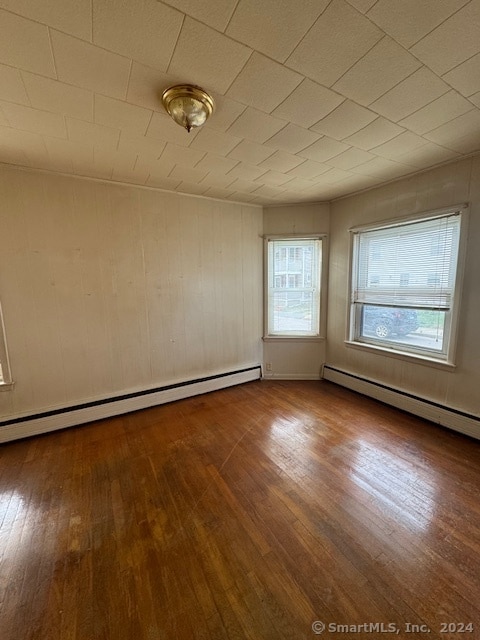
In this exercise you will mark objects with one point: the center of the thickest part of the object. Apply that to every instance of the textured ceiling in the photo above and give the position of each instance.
(315, 99)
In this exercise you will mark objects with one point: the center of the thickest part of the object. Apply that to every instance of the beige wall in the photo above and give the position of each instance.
(108, 289)
(447, 185)
(295, 357)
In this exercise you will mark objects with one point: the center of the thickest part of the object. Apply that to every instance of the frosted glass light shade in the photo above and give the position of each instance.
(188, 105)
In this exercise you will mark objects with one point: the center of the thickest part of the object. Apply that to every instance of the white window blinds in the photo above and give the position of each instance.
(412, 264)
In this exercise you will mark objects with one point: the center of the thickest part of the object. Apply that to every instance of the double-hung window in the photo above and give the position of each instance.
(405, 284)
(293, 286)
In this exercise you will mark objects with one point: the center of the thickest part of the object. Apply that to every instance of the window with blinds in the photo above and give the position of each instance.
(404, 284)
(293, 286)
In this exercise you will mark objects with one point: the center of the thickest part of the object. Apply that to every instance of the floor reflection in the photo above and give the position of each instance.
(398, 487)
(12, 508)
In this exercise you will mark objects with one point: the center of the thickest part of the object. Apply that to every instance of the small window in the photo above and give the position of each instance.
(293, 286)
(405, 285)
(5, 377)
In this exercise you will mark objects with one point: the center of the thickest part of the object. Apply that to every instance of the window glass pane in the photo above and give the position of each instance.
(422, 329)
(292, 312)
(293, 296)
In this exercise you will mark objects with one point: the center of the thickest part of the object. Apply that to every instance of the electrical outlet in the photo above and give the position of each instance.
(268, 366)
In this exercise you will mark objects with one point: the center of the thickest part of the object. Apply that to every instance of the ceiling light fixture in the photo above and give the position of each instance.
(188, 105)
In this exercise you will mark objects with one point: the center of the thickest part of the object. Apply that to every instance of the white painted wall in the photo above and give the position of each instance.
(444, 186)
(297, 358)
(109, 289)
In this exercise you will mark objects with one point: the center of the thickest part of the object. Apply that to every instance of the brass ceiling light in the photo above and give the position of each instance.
(188, 105)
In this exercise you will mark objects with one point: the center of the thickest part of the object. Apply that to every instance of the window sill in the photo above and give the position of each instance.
(293, 339)
(6, 386)
(402, 355)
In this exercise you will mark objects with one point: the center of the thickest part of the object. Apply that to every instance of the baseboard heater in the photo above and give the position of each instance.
(34, 424)
(455, 419)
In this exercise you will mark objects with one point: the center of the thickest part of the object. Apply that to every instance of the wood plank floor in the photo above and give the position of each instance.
(251, 513)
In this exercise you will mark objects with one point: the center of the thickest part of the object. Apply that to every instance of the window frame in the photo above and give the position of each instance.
(444, 359)
(322, 281)
(5, 383)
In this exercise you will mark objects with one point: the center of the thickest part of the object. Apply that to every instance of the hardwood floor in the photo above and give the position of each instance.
(251, 513)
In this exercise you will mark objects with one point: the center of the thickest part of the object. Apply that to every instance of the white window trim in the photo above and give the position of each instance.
(401, 355)
(323, 288)
(7, 382)
(442, 361)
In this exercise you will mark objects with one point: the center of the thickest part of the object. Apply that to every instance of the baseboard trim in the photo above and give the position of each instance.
(61, 418)
(455, 419)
